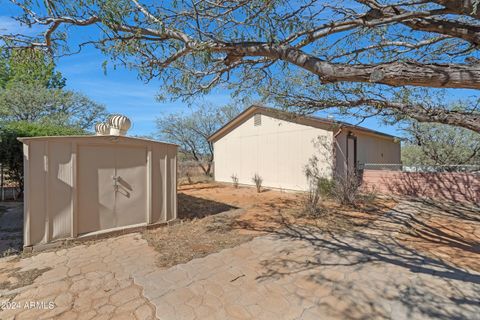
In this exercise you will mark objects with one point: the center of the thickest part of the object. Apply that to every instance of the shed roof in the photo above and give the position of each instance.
(92, 137)
(312, 121)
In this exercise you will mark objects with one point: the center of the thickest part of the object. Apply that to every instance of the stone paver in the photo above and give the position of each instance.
(85, 282)
(299, 279)
(298, 273)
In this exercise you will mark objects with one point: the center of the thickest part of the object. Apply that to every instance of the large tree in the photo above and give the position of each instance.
(35, 103)
(437, 144)
(30, 67)
(197, 45)
(32, 90)
(192, 130)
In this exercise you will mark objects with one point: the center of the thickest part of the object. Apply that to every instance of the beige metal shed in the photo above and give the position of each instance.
(82, 185)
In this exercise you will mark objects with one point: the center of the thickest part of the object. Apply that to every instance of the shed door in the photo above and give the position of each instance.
(111, 187)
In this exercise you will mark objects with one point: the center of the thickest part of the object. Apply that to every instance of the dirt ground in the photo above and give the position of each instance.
(446, 231)
(272, 209)
(217, 216)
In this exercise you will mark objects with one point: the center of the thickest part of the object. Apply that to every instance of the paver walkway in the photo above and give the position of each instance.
(298, 273)
(84, 282)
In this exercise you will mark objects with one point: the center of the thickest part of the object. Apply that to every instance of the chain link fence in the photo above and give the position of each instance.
(421, 168)
(446, 182)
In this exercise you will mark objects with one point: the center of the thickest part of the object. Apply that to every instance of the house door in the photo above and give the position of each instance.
(351, 154)
(112, 185)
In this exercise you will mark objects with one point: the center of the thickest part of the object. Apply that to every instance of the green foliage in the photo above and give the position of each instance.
(325, 186)
(437, 144)
(34, 102)
(11, 151)
(28, 66)
(31, 90)
(195, 46)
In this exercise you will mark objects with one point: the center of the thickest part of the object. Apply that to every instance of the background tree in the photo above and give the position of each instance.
(31, 90)
(433, 144)
(31, 67)
(11, 151)
(35, 103)
(192, 130)
(361, 55)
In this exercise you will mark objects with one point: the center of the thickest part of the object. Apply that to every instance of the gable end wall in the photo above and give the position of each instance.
(277, 150)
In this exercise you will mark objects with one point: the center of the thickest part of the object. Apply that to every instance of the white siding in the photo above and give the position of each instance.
(277, 150)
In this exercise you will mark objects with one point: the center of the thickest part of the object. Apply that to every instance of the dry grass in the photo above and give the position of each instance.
(192, 180)
(14, 278)
(341, 218)
(191, 239)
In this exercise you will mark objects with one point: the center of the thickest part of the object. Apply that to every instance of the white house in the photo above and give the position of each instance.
(277, 145)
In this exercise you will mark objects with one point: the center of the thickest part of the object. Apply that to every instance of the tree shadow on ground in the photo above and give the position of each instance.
(448, 224)
(461, 210)
(376, 275)
(451, 186)
(190, 207)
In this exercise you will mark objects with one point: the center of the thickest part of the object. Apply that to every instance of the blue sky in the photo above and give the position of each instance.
(122, 92)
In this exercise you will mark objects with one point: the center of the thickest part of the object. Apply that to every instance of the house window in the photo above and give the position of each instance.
(257, 120)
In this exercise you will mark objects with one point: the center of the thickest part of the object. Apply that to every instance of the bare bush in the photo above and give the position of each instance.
(311, 200)
(346, 188)
(326, 181)
(312, 197)
(234, 181)
(258, 182)
(319, 186)
(188, 175)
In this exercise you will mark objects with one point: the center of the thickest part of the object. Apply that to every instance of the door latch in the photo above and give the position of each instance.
(115, 183)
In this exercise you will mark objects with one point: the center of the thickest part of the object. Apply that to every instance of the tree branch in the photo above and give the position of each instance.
(393, 74)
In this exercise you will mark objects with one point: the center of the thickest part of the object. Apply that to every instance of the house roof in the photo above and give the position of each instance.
(317, 122)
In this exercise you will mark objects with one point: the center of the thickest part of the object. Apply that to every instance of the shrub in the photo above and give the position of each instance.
(235, 180)
(312, 198)
(346, 188)
(11, 150)
(318, 189)
(325, 186)
(188, 175)
(318, 186)
(258, 182)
